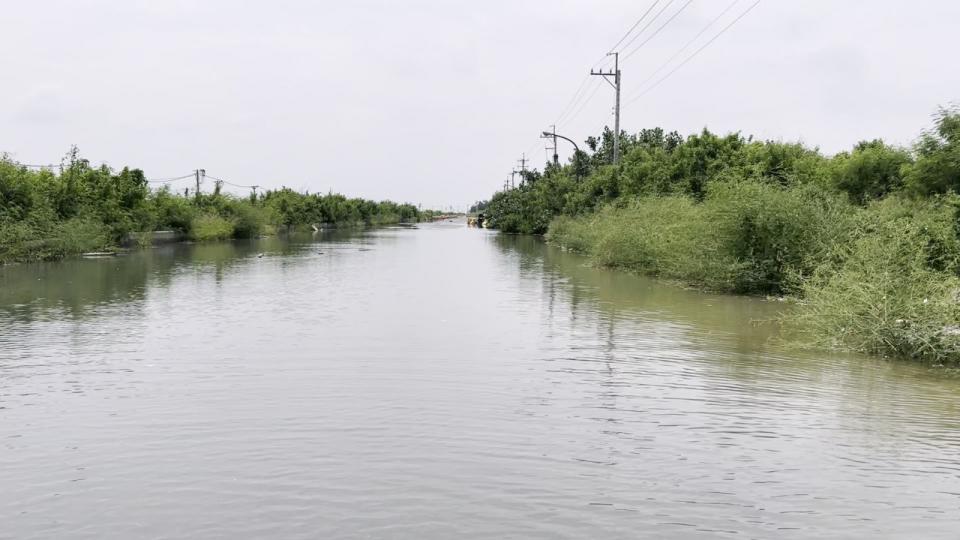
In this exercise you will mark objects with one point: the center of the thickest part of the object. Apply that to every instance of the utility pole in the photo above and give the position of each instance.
(513, 174)
(199, 174)
(553, 135)
(616, 86)
(523, 162)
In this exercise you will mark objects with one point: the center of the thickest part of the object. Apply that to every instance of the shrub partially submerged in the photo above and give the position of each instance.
(32, 240)
(210, 227)
(895, 289)
(746, 237)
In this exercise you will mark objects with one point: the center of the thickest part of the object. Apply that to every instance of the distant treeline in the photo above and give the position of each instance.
(48, 214)
(868, 240)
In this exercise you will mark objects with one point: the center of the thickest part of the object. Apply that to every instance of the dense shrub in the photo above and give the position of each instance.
(889, 293)
(746, 237)
(47, 215)
(206, 227)
(777, 236)
(937, 168)
(869, 240)
(872, 171)
(33, 240)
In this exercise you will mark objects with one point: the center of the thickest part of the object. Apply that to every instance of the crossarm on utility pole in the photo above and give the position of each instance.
(616, 86)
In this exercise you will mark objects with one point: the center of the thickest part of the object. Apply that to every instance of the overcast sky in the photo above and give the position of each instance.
(433, 101)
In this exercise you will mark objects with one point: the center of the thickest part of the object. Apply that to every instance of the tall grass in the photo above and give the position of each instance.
(745, 237)
(206, 227)
(882, 279)
(29, 240)
(892, 290)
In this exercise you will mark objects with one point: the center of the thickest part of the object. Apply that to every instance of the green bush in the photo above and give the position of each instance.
(747, 237)
(30, 240)
(937, 168)
(885, 296)
(171, 212)
(872, 171)
(207, 227)
(671, 237)
(777, 236)
(47, 215)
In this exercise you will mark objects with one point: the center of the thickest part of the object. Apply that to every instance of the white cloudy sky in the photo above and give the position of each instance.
(433, 101)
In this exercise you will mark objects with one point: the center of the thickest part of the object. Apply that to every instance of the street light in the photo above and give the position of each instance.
(549, 135)
(554, 136)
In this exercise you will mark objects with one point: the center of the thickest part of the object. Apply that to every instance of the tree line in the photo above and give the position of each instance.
(867, 241)
(48, 214)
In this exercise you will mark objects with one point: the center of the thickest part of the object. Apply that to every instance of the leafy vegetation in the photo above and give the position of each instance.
(46, 214)
(868, 241)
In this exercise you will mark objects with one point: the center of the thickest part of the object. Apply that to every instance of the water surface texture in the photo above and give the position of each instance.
(439, 383)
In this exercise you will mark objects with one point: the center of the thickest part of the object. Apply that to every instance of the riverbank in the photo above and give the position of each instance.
(866, 242)
(48, 215)
(881, 280)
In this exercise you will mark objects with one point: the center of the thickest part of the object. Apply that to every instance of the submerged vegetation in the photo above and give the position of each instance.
(867, 241)
(47, 214)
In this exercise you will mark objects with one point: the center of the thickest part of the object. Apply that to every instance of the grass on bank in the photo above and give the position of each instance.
(747, 238)
(881, 279)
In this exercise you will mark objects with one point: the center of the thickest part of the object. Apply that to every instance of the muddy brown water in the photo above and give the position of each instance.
(443, 382)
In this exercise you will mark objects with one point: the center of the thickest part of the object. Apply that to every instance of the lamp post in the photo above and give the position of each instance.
(554, 136)
(548, 135)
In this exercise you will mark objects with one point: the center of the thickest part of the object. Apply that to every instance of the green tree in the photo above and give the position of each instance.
(872, 171)
(937, 168)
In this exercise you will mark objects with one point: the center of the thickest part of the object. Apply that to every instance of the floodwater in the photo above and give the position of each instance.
(438, 383)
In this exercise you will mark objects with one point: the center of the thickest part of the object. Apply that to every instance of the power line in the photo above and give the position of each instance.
(644, 29)
(640, 20)
(533, 146)
(657, 31)
(214, 178)
(583, 104)
(29, 166)
(596, 87)
(689, 43)
(168, 180)
(585, 92)
(572, 105)
(577, 101)
(150, 180)
(569, 107)
(692, 56)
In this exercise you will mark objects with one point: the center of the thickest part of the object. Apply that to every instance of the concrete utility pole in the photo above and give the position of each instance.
(556, 158)
(199, 173)
(616, 86)
(552, 134)
(513, 174)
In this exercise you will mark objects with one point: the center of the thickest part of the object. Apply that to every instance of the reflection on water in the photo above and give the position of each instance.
(442, 382)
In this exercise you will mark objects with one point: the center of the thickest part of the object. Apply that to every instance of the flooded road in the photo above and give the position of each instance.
(438, 383)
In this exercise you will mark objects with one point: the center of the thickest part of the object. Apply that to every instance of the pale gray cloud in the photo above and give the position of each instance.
(433, 101)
